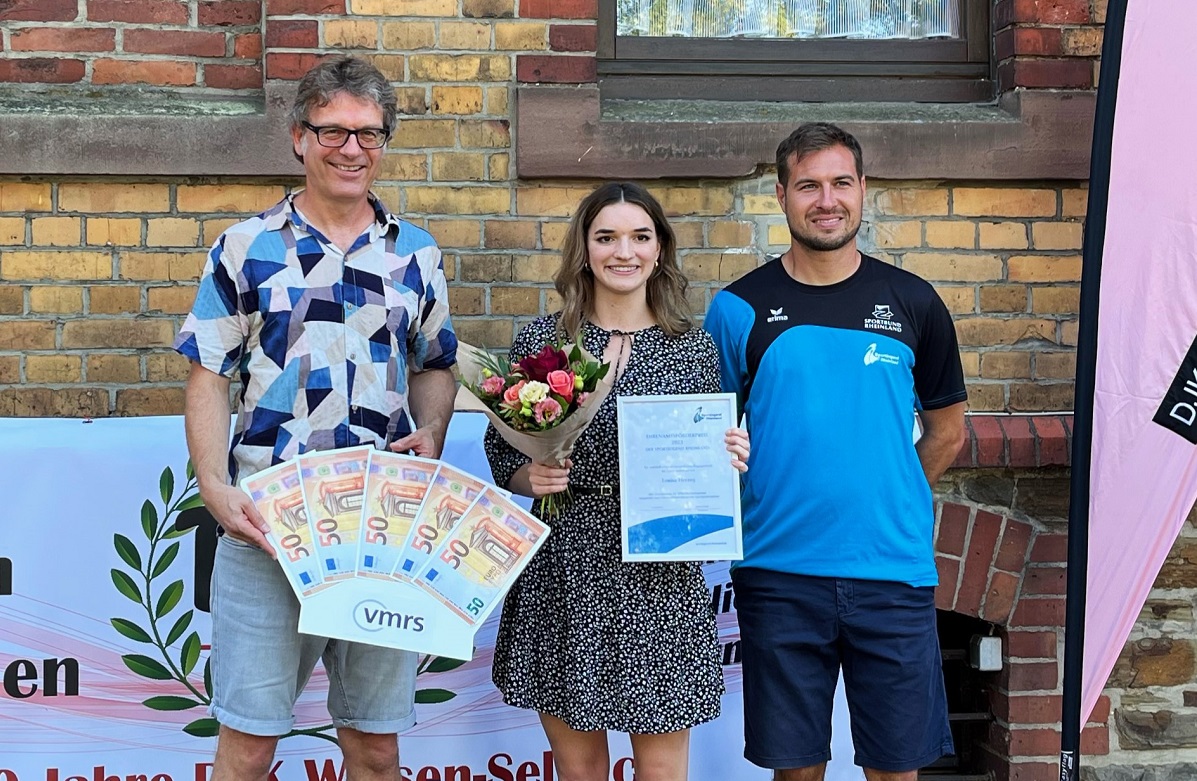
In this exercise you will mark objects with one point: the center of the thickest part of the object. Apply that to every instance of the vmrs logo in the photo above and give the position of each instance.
(373, 616)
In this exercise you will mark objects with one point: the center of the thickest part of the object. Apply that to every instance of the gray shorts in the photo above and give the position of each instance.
(261, 663)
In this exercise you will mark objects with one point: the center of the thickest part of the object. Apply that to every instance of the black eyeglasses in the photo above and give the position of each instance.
(337, 137)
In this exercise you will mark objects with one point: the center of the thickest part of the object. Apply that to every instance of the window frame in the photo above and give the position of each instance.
(928, 70)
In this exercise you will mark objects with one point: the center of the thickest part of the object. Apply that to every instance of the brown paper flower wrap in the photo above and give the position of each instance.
(540, 404)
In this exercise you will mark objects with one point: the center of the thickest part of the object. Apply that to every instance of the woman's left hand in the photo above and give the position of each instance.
(737, 445)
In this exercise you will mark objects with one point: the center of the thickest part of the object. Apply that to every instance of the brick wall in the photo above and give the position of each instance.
(1048, 44)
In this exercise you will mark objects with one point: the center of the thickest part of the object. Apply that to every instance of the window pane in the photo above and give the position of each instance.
(866, 19)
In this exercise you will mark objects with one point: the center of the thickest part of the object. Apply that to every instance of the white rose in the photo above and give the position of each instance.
(533, 392)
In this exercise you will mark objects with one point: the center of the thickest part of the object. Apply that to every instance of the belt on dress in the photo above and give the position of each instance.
(591, 490)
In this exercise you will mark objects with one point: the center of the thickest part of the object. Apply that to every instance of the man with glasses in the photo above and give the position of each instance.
(333, 314)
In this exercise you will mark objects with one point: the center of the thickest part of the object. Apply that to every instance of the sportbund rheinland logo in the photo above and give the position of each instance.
(161, 625)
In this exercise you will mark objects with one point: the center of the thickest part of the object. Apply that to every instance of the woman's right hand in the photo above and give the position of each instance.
(545, 479)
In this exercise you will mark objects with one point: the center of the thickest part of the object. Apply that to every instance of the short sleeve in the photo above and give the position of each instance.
(729, 320)
(215, 332)
(432, 343)
(938, 376)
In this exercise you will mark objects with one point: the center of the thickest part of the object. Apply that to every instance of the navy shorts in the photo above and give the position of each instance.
(795, 634)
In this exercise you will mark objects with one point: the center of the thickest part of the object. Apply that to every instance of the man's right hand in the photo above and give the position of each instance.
(235, 512)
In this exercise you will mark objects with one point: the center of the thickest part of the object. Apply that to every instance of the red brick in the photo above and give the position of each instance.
(559, 9)
(1095, 741)
(38, 10)
(965, 457)
(138, 11)
(175, 74)
(1040, 611)
(229, 13)
(1032, 645)
(1032, 676)
(1023, 709)
(233, 76)
(1045, 581)
(1050, 548)
(292, 34)
(953, 529)
(298, 7)
(64, 39)
(991, 445)
(248, 46)
(1053, 441)
(949, 573)
(1012, 553)
(1052, 11)
(1032, 771)
(41, 70)
(1041, 41)
(981, 544)
(1101, 711)
(1020, 440)
(533, 68)
(284, 65)
(1046, 74)
(573, 37)
(999, 598)
(190, 43)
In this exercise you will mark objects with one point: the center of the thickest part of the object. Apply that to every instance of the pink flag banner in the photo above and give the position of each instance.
(1143, 467)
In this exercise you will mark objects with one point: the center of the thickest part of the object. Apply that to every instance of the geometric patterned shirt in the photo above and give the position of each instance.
(321, 340)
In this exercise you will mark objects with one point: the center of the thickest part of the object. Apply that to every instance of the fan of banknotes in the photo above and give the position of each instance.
(417, 529)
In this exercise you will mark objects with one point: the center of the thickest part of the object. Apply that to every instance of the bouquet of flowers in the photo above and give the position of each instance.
(540, 404)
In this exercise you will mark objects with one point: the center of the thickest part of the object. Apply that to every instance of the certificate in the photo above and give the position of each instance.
(679, 494)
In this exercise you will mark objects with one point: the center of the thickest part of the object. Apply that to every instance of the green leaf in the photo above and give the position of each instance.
(203, 728)
(191, 502)
(170, 702)
(127, 551)
(149, 519)
(190, 653)
(166, 485)
(125, 585)
(208, 677)
(168, 557)
(429, 696)
(147, 667)
(169, 599)
(179, 628)
(442, 664)
(131, 630)
(190, 471)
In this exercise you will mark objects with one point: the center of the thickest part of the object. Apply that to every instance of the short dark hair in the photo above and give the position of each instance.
(815, 137)
(343, 74)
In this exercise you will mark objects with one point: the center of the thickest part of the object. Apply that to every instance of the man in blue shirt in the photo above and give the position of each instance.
(334, 316)
(834, 355)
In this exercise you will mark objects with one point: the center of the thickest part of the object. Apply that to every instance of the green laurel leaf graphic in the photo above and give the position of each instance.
(149, 519)
(131, 630)
(170, 702)
(168, 558)
(169, 599)
(179, 628)
(190, 653)
(147, 667)
(429, 696)
(191, 502)
(166, 485)
(127, 551)
(208, 677)
(190, 471)
(443, 664)
(125, 585)
(203, 728)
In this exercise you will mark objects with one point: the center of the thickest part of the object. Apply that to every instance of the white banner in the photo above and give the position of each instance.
(103, 648)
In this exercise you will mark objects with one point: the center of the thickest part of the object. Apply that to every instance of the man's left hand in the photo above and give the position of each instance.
(426, 442)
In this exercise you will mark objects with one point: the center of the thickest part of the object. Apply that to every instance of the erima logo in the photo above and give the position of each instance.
(883, 319)
(871, 356)
(775, 316)
(372, 616)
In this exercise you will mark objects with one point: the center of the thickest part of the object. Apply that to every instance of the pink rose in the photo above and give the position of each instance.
(512, 394)
(493, 385)
(546, 411)
(562, 383)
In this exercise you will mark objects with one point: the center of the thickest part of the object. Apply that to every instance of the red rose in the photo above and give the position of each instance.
(562, 383)
(549, 359)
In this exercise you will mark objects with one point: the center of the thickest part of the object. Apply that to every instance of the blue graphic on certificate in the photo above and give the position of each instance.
(679, 494)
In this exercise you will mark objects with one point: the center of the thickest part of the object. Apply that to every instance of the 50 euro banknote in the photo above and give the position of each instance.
(334, 483)
(452, 491)
(396, 485)
(482, 556)
(278, 494)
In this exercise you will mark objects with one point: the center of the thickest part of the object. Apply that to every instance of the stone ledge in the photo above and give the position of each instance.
(1016, 441)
